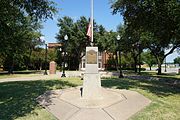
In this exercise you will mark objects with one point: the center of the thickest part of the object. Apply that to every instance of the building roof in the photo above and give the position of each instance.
(54, 45)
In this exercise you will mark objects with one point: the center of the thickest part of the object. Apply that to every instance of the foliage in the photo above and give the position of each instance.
(127, 60)
(177, 60)
(111, 63)
(130, 43)
(148, 58)
(106, 40)
(78, 40)
(37, 59)
(19, 23)
(157, 23)
(1, 60)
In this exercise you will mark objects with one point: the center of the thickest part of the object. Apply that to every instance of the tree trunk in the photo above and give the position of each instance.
(29, 60)
(10, 70)
(10, 60)
(135, 64)
(159, 68)
(159, 61)
(150, 67)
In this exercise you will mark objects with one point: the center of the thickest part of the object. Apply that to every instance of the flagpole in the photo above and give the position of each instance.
(92, 22)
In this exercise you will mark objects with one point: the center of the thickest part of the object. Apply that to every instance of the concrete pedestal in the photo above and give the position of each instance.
(92, 82)
(92, 86)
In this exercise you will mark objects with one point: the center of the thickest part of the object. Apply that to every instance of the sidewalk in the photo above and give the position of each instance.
(31, 78)
(55, 76)
(115, 105)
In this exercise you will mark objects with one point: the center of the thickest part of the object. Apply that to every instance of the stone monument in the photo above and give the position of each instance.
(52, 67)
(92, 82)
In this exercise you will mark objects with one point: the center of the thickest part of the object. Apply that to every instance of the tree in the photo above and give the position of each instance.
(107, 42)
(177, 60)
(77, 38)
(19, 23)
(149, 59)
(158, 20)
(131, 43)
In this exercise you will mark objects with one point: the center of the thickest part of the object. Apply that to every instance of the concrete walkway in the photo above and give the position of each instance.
(31, 78)
(54, 76)
(115, 105)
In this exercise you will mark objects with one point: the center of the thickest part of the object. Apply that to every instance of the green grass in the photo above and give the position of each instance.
(17, 75)
(25, 73)
(165, 75)
(38, 114)
(165, 97)
(17, 99)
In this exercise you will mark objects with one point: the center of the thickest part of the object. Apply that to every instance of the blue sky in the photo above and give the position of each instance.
(76, 8)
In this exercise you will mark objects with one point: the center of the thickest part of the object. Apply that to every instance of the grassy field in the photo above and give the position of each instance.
(20, 74)
(165, 97)
(17, 75)
(17, 99)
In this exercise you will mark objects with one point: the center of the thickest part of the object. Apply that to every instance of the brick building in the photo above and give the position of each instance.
(102, 57)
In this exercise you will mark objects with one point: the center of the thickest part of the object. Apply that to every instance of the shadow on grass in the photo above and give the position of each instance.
(160, 88)
(19, 98)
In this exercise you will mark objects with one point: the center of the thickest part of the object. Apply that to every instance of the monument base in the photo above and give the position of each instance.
(92, 86)
(67, 104)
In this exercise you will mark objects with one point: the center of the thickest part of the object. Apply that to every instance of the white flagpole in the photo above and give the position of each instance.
(92, 22)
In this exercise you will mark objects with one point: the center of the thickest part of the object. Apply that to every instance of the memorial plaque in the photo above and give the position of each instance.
(91, 57)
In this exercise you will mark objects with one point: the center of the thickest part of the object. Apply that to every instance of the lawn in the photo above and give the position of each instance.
(17, 99)
(20, 74)
(165, 97)
(164, 75)
(17, 75)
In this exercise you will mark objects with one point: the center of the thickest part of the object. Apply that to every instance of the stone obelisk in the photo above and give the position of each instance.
(92, 82)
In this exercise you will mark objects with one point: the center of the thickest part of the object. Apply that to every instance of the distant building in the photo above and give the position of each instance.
(54, 45)
(102, 59)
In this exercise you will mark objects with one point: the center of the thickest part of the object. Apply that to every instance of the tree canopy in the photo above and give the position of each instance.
(149, 59)
(177, 60)
(157, 24)
(20, 24)
(78, 40)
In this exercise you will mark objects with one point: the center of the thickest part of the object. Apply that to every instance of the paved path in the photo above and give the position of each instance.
(31, 78)
(55, 76)
(168, 70)
(115, 105)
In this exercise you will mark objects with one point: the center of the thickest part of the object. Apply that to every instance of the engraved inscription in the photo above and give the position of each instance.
(91, 57)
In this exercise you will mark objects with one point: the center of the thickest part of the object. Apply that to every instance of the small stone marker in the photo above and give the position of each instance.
(92, 82)
(52, 67)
